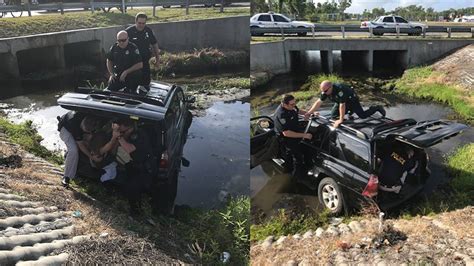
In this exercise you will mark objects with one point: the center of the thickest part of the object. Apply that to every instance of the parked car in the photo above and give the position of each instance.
(392, 22)
(275, 20)
(162, 113)
(348, 161)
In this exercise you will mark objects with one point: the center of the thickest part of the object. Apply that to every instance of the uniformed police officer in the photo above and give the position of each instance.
(287, 127)
(142, 36)
(124, 64)
(345, 101)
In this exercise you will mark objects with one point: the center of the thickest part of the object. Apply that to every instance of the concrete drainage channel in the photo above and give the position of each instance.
(30, 231)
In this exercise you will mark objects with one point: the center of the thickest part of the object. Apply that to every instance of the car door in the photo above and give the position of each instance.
(265, 21)
(402, 23)
(174, 123)
(388, 22)
(427, 133)
(281, 22)
(263, 140)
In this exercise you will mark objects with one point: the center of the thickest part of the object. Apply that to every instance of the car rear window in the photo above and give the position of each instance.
(264, 18)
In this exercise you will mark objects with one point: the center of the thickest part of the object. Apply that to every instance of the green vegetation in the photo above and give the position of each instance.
(27, 137)
(227, 83)
(461, 166)
(206, 234)
(208, 59)
(285, 223)
(13, 27)
(424, 82)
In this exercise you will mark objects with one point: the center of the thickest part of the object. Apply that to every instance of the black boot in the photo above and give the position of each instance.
(381, 110)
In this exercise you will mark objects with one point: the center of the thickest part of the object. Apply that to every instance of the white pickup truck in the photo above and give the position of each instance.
(392, 22)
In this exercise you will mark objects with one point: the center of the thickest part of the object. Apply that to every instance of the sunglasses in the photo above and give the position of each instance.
(122, 40)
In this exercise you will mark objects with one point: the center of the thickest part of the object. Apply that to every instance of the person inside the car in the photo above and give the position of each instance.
(75, 129)
(395, 167)
(101, 157)
(135, 153)
(287, 127)
(345, 100)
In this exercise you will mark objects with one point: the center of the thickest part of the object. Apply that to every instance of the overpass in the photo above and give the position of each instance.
(54, 52)
(279, 56)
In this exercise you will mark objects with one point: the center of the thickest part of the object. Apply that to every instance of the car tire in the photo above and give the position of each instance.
(418, 33)
(380, 33)
(302, 33)
(330, 196)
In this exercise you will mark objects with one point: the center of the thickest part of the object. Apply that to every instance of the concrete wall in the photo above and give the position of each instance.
(223, 33)
(273, 56)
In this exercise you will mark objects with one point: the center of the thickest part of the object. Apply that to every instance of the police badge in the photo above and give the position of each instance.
(126, 52)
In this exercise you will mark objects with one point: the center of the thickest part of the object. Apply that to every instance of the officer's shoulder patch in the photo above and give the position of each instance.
(126, 52)
(340, 94)
(283, 121)
(137, 52)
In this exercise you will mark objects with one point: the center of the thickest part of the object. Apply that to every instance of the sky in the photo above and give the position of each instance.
(358, 6)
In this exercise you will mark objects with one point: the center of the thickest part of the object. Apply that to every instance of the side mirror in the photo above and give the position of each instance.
(191, 99)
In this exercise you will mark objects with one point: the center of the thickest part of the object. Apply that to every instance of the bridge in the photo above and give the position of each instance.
(367, 54)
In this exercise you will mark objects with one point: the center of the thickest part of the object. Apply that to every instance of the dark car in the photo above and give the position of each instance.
(163, 113)
(352, 163)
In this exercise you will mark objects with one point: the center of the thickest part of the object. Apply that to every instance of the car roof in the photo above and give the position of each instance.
(370, 127)
(153, 106)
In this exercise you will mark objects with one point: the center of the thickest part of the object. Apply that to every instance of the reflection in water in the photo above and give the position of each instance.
(217, 146)
(218, 150)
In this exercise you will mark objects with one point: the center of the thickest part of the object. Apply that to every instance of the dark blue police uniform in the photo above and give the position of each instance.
(143, 40)
(123, 59)
(288, 120)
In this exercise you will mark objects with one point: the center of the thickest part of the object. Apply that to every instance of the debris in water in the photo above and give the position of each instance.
(77, 214)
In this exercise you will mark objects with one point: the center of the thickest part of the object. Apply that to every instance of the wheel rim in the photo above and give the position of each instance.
(330, 197)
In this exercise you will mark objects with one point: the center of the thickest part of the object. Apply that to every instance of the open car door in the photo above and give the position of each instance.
(427, 133)
(263, 140)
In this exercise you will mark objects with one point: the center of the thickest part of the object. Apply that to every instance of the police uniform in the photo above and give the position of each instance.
(344, 94)
(123, 59)
(143, 39)
(288, 120)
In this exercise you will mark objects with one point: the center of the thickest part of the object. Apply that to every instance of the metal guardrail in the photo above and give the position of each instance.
(354, 28)
(117, 4)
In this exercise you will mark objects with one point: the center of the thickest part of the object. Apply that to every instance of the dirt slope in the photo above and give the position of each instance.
(458, 67)
(444, 239)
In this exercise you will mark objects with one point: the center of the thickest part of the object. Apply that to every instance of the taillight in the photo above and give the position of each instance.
(372, 187)
(164, 163)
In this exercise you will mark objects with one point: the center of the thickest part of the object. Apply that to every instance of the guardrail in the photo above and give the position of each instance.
(121, 5)
(343, 29)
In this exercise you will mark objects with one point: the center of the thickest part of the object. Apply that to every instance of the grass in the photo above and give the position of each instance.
(199, 61)
(426, 83)
(285, 223)
(13, 27)
(27, 137)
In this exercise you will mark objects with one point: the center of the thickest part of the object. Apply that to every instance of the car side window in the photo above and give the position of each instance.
(264, 18)
(388, 19)
(277, 18)
(355, 152)
(400, 20)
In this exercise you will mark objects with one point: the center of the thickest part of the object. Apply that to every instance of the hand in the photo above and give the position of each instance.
(123, 76)
(337, 123)
(306, 116)
(308, 136)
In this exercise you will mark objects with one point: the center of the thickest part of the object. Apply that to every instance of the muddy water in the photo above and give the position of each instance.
(217, 145)
(271, 189)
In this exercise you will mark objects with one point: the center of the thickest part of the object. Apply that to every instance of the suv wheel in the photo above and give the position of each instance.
(302, 33)
(330, 195)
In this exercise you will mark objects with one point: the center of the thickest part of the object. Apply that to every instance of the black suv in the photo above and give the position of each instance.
(348, 161)
(163, 113)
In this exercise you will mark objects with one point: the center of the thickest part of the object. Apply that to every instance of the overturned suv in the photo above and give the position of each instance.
(163, 113)
(377, 160)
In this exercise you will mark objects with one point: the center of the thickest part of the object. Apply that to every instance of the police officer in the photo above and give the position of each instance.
(142, 36)
(345, 101)
(287, 127)
(124, 64)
